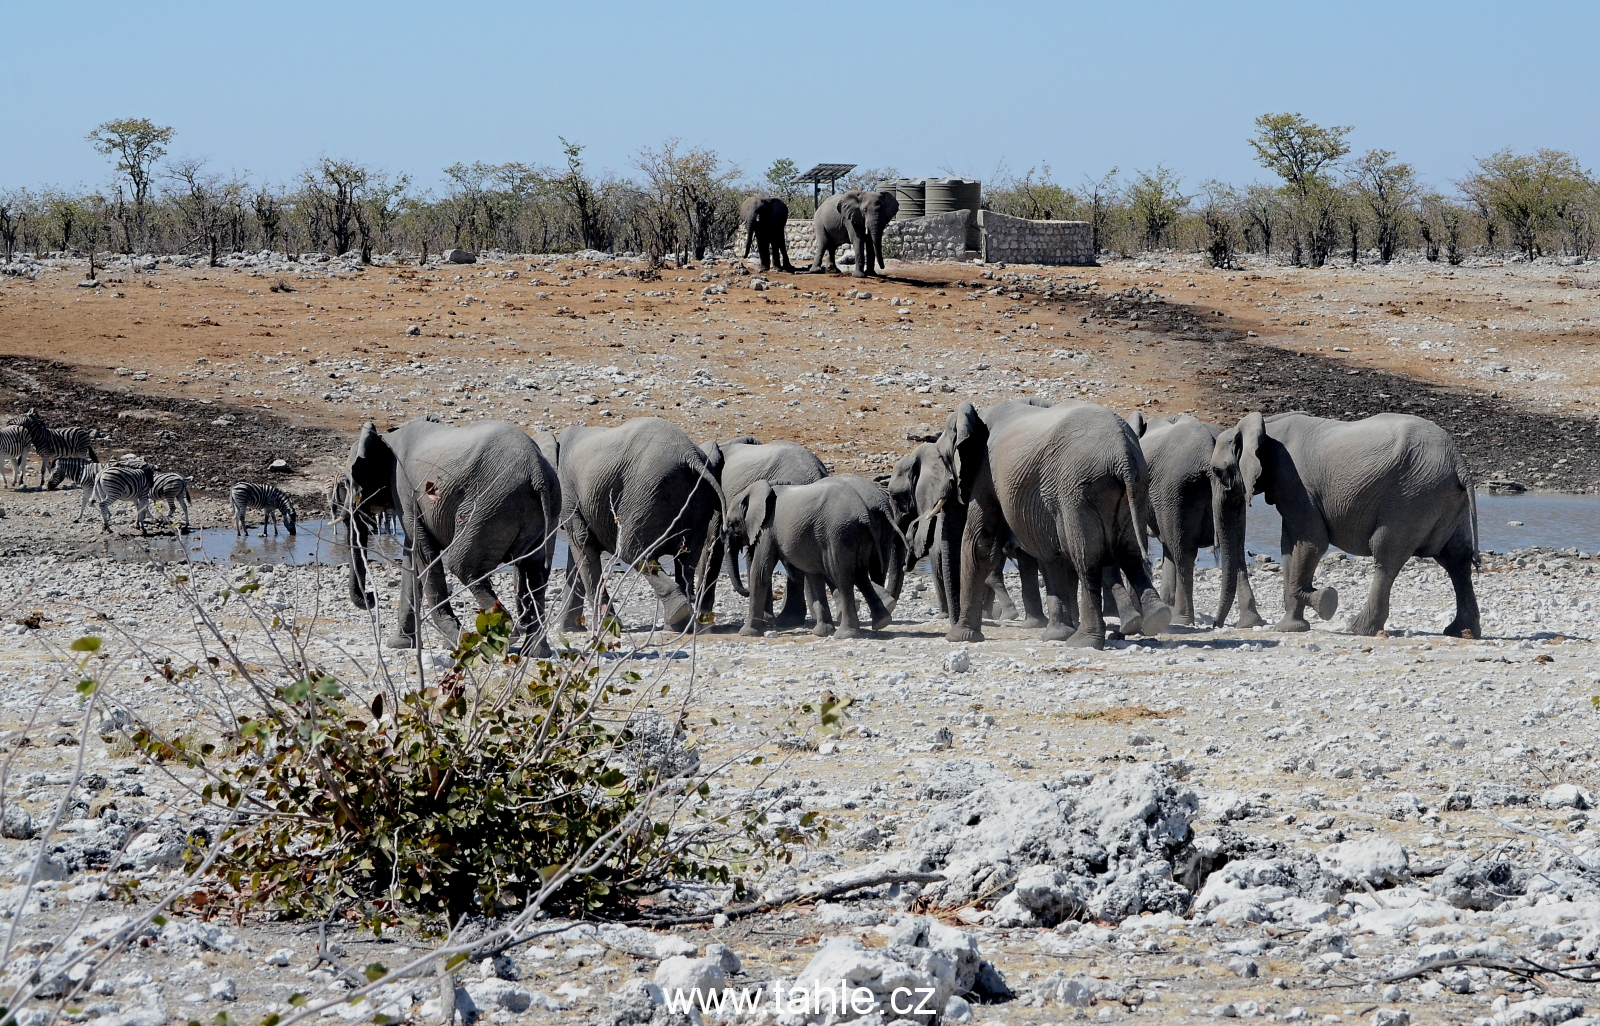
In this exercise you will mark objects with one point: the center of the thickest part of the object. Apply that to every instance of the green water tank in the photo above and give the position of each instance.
(946, 194)
(910, 192)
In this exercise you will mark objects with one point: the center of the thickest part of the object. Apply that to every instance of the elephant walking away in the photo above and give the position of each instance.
(858, 218)
(746, 460)
(1069, 482)
(829, 531)
(1190, 510)
(1391, 487)
(469, 499)
(640, 491)
(764, 221)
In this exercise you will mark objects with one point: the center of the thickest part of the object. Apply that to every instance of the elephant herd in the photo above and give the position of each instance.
(1070, 491)
(857, 217)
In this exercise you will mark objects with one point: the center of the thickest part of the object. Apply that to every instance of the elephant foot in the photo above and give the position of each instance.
(751, 631)
(1183, 619)
(575, 623)
(1133, 625)
(1460, 628)
(1081, 639)
(1326, 602)
(541, 649)
(849, 633)
(823, 630)
(399, 641)
(961, 632)
(1033, 623)
(1291, 625)
(1059, 631)
(1157, 618)
(679, 615)
(883, 622)
(784, 623)
(1246, 620)
(1364, 625)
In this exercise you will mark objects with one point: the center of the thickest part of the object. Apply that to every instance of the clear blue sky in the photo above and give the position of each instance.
(268, 87)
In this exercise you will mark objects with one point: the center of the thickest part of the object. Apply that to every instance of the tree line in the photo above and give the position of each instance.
(1324, 204)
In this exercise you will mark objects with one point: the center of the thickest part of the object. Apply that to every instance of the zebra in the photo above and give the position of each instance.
(174, 490)
(52, 444)
(87, 475)
(245, 496)
(14, 447)
(70, 470)
(123, 482)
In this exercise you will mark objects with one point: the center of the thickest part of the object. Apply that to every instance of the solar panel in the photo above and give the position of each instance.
(826, 173)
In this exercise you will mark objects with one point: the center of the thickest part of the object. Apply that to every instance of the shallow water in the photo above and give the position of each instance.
(1557, 521)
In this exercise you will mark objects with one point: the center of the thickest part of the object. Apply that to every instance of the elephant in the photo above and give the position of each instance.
(764, 221)
(747, 460)
(858, 218)
(469, 499)
(1391, 487)
(1069, 484)
(640, 491)
(834, 532)
(1191, 511)
(917, 485)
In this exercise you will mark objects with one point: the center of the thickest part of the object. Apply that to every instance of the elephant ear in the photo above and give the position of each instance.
(371, 467)
(1136, 421)
(1247, 443)
(922, 537)
(964, 446)
(757, 506)
(714, 458)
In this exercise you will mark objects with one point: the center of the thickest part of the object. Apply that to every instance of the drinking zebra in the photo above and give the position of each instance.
(245, 496)
(52, 444)
(14, 447)
(122, 482)
(69, 470)
(174, 491)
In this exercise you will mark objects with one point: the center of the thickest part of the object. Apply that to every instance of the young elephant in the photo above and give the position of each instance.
(746, 460)
(831, 533)
(1391, 487)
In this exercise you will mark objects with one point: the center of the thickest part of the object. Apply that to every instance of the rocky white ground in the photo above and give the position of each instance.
(1213, 822)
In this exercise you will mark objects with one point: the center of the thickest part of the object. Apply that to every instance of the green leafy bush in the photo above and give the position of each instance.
(493, 787)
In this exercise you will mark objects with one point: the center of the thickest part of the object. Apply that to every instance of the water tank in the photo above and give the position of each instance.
(910, 192)
(947, 194)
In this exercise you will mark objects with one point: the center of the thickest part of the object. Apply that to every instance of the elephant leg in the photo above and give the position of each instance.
(936, 571)
(781, 256)
(1169, 577)
(583, 583)
(981, 555)
(1183, 592)
(677, 610)
(1115, 597)
(817, 597)
(879, 603)
(858, 248)
(793, 613)
(1028, 583)
(1000, 599)
(763, 560)
(405, 628)
(849, 619)
(1091, 632)
(1298, 576)
(435, 590)
(1457, 562)
(1154, 614)
(533, 581)
(1249, 615)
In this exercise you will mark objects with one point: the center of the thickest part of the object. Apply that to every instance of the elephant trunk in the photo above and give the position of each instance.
(704, 579)
(895, 572)
(1228, 521)
(730, 564)
(877, 247)
(360, 597)
(952, 525)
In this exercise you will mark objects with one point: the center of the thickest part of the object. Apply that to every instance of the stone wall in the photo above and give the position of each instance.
(1017, 240)
(936, 237)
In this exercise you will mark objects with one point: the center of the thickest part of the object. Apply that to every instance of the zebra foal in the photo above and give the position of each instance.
(174, 491)
(246, 496)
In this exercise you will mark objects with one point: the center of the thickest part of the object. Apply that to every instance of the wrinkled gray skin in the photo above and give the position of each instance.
(469, 499)
(1071, 485)
(833, 532)
(745, 460)
(640, 491)
(858, 218)
(1189, 511)
(764, 221)
(1391, 487)
(920, 480)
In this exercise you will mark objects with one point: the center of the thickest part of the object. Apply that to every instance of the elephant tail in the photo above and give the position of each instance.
(1137, 509)
(705, 569)
(1464, 476)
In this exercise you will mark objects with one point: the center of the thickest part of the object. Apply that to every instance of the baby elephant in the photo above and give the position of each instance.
(828, 534)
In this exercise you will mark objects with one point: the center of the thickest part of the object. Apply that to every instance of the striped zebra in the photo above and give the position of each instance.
(52, 444)
(174, 491)
(245, 496)
(122, 482)
(14, 447)
(69, 470)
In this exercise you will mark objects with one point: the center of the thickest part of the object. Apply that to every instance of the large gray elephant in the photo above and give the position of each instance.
(858, 218)
(918, 487)
(1391, 487)
(833, 532)
(746, 460)
(469, 499)
(1190, 510)
(640, 491)
(1070, 486)
(764, 221)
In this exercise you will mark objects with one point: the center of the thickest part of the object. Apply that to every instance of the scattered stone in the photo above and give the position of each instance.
(459, 256)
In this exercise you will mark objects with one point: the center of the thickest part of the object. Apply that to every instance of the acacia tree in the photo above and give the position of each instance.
(334, 192)
(1262, 206)
(1035, 198)
(1527, 193)
(1389, 191)
(579, 191)
(137, 144)
(695, 186)
(1220, 215)
(199, 200)
(1155, 204)
(11, 215)
(1301, 153)
(1100, 195)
